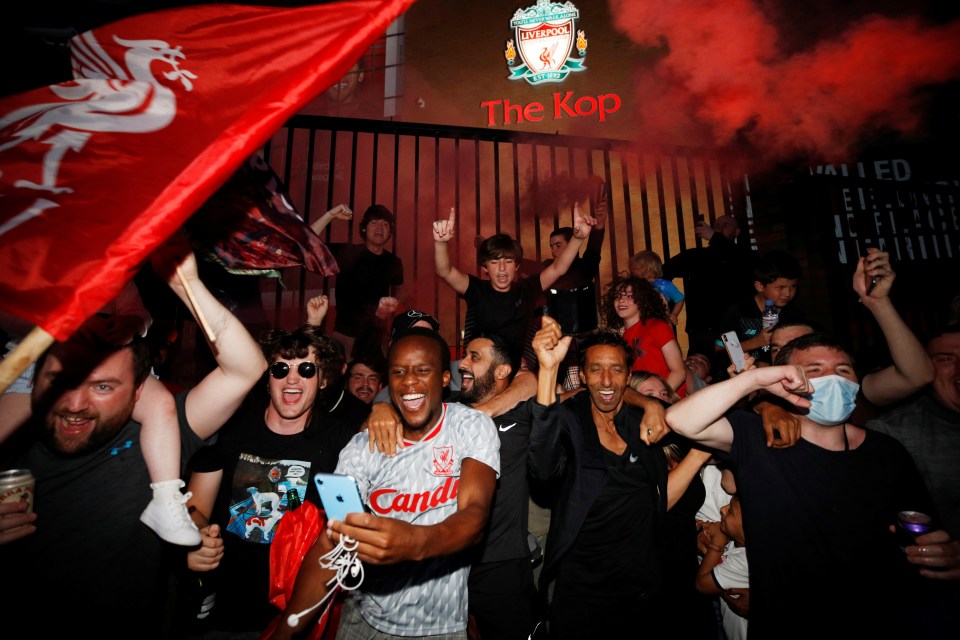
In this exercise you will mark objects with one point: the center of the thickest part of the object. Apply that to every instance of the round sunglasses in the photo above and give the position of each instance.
(279, 370)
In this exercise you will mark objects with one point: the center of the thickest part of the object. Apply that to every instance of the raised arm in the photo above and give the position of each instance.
(592, 254)
(547, 456)
(317, 308)
(581, 230)
(339, 212)
(699, 416)
(442, 235)
(551, 348)
(240, 362)
(911, 369)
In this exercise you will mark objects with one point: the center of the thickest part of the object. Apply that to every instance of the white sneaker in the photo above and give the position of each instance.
(167, 514)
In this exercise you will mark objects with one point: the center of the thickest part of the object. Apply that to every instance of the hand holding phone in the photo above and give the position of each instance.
(732, 344)
(339, 495)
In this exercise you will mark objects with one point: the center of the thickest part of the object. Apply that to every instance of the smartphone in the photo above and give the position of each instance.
(732, 344)
(339, 495)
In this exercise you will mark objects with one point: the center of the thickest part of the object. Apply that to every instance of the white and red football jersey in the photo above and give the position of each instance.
(419, 485)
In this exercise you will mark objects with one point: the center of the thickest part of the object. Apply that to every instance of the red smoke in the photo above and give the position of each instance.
(722, 77)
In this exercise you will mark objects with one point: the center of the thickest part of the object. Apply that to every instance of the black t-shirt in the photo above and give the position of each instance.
(261, 469)
(822, 560)
(364, 278)
(507, 313)
(712, 277)
(348, 409)
(615, 557)
(91, 562)
(506, 534)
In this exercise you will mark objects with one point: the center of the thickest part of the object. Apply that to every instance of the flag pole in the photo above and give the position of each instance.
(197, 312)
(25, 353)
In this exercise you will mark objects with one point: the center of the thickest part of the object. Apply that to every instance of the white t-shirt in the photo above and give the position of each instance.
(732, 573)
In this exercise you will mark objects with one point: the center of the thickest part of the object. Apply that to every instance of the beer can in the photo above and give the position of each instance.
(16, 485)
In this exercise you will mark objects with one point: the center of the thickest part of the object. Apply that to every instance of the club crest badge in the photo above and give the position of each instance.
(544, 38)
(443, 460)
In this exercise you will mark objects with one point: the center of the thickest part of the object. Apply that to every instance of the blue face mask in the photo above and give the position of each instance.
(833, 400)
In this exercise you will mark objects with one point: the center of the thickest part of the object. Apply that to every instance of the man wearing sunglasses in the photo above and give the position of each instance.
(259, 470)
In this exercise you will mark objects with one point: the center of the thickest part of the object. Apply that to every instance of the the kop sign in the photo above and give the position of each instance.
(541, 51)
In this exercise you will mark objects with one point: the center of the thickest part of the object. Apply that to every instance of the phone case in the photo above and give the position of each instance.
(734, 350)
(339, 495)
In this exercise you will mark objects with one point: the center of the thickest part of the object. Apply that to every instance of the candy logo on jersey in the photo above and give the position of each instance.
(443, 460)
(544, 36)
(386, 501)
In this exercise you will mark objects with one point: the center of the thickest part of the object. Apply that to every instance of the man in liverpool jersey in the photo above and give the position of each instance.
(427, 504)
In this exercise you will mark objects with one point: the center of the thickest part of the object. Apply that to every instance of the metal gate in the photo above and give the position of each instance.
(497, 181)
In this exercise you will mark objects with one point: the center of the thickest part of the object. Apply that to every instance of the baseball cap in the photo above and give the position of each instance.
(409, 318)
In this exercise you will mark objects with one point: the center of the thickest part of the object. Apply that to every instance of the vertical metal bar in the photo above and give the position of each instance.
(373, 177)
(516, 190)
(416, 200)
(611, 229)
(496, 182)
(553, 178)
(661, 199)
(535, 198)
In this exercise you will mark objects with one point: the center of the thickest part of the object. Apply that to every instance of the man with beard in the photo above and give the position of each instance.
(259, 470)
(501, 589)
(602, 556)
(85, 551)
(429, 503)
(818, 516)
(363, 378)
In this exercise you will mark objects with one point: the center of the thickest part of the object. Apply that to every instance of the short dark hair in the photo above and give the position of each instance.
(376, 364)
(376, 212)
(289, 345)
(566, 232)
(424, 332)
(96, 350)
(809, 341)
(499, 245)
(601, 338)
(504, 351)
(776, 264)
(941, 331)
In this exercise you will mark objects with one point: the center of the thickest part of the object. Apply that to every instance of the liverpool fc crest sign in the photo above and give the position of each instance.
(544, 36)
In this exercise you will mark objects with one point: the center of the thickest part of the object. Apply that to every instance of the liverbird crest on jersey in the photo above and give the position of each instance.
(544, 36)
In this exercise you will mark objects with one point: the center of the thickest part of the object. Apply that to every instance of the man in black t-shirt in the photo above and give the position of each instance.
(818, 516)
(261, 467)
(85, 547)
(367, 286)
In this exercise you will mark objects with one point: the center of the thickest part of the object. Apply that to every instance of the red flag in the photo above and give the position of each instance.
(97, 172)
